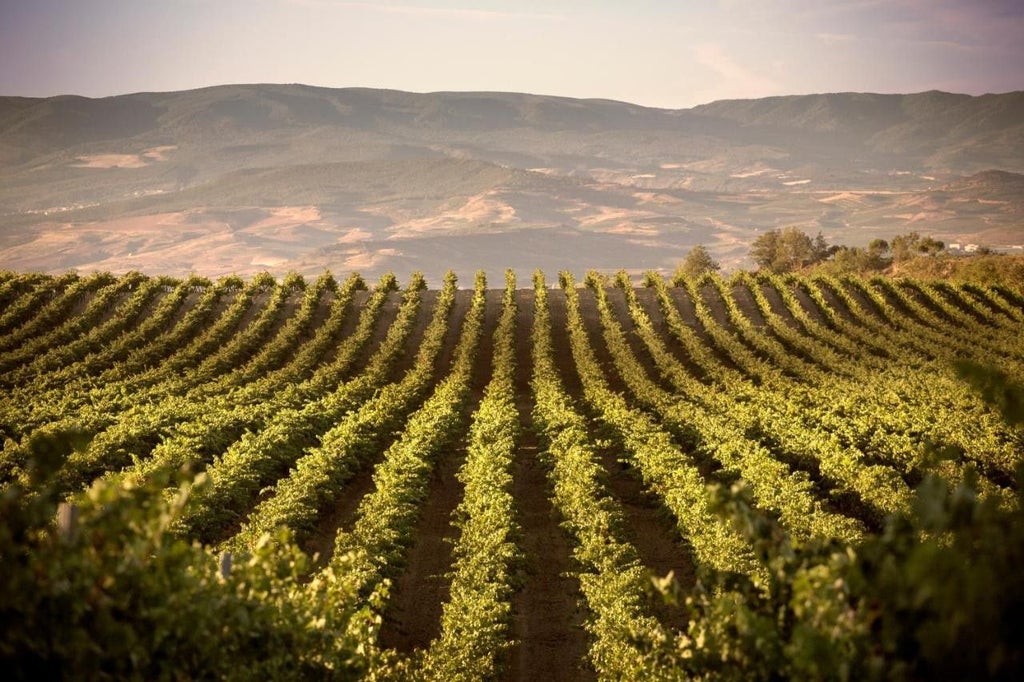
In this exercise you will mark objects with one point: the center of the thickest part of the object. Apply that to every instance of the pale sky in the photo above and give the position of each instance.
(660, 53)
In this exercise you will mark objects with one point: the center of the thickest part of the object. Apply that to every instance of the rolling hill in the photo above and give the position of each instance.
(242, 178)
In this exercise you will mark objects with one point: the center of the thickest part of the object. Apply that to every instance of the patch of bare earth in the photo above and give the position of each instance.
(481, 209)
(648, 300)
(341, 511)
(190, 300)
(549, 610)
(560, 344)
(413, 616)
(808, 305)
(685, 307)
(350, 319)
(747, 306)
(196, 240)
(713, 299)
(144, 313)
(111, 161)
(777, 305)
(550, 643)
(147, 157)
(385, 318)
(836, 304)
(649, 524)
(592, 322)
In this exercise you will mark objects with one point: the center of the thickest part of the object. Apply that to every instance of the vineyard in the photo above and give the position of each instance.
(536, 481)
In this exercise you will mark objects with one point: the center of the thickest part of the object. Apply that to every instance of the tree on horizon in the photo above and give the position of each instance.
(697, 262)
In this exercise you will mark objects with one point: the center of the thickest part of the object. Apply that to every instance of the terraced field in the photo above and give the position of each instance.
(514, 463)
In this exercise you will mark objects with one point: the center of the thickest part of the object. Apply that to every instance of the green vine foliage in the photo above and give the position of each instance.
(887, 395)
(117, 596)
(939, 594)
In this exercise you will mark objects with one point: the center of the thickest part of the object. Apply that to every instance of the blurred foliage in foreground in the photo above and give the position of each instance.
(938, 595)
(117, 596)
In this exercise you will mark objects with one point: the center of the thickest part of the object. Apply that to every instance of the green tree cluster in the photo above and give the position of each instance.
(788, 249)
(853, 259)
(697, 262)
(910, 245)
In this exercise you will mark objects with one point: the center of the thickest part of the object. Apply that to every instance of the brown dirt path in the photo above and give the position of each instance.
(747, 305)
(547, 616)
(651, 528)
(592, 323)
(967, 306)
(809, 306)
(342, 510)
(349, 321)
(836, 304)
(944, 318)
(413, 615)
(648, 300)
(872, 314)
(256, 307)
(73, 311)
(288, 310)
(461, 306)
(778, 306)
(560, 344)
(620, 312)
(81, 303)
(14, 292)
(684, 306)
(385, 318)
(143, 315)
(190, 301)
(323, 309)
(719, 312)
(149, 308)
(713, 300)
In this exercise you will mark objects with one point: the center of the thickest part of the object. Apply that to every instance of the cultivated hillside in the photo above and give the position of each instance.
(516, 465)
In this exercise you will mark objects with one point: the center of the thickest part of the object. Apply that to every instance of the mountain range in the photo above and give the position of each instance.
(243, 178)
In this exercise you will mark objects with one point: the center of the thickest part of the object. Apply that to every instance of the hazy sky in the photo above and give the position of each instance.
(668, 53)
